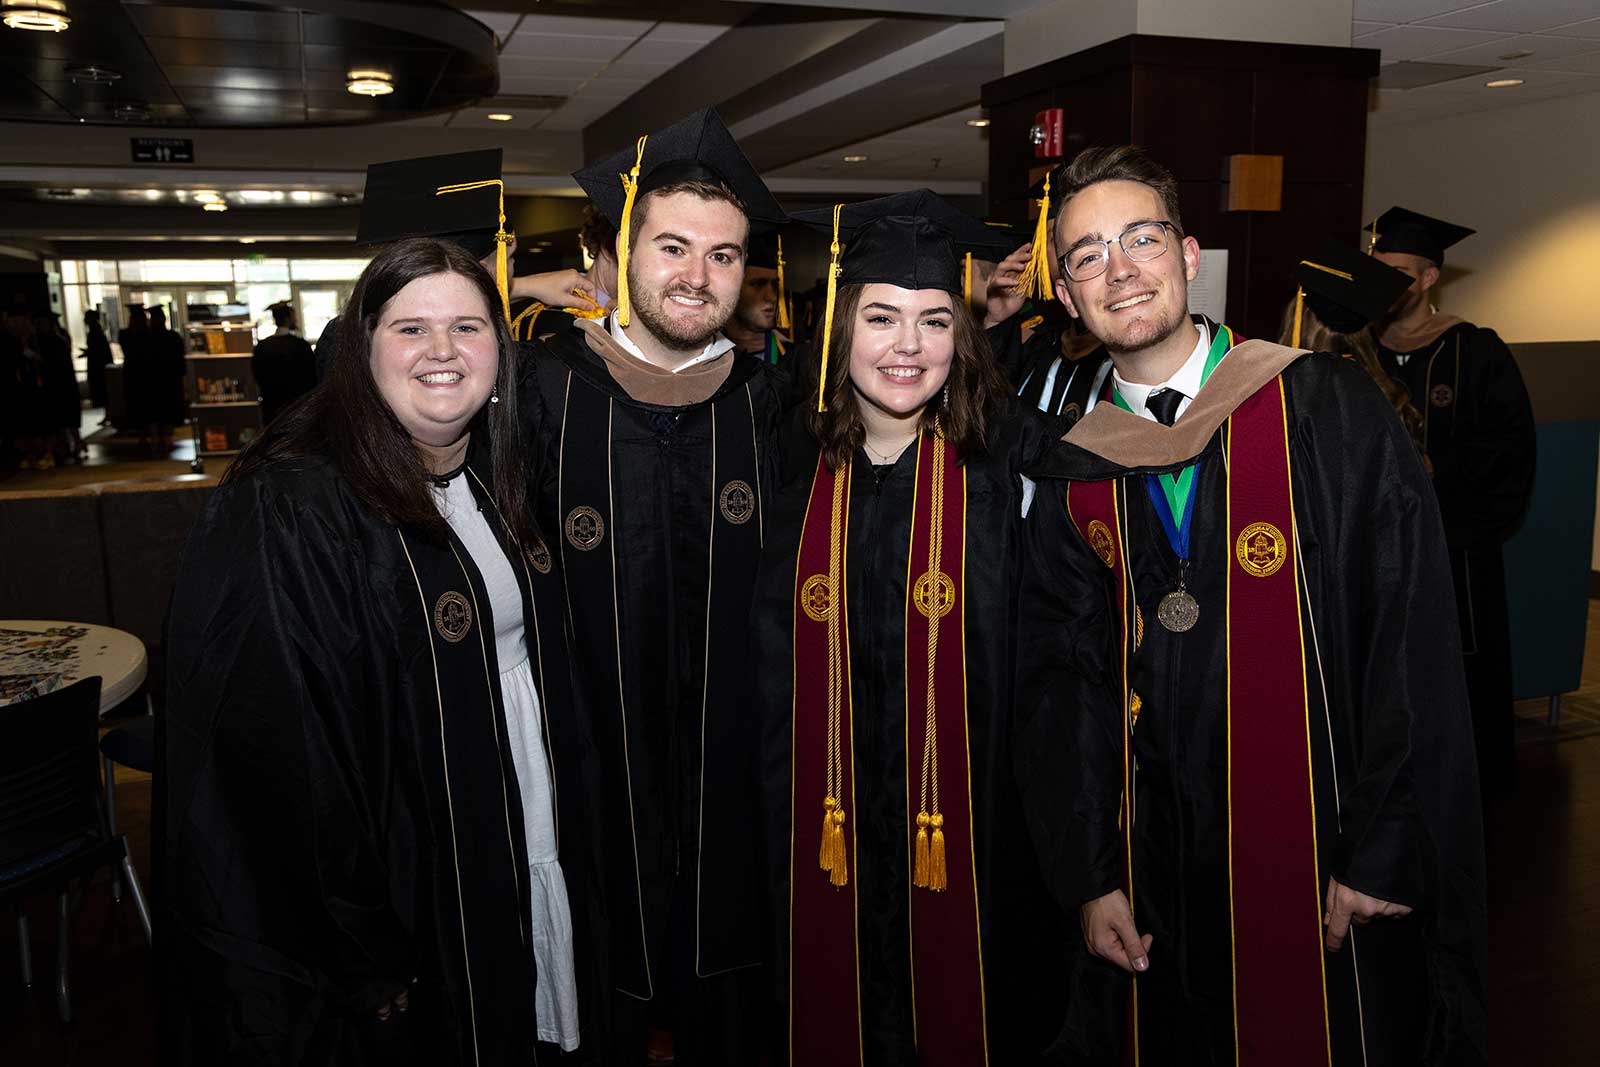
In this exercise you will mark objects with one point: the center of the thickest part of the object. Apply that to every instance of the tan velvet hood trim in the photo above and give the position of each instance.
(1398, 340)
(650, 384)
(1131, 441)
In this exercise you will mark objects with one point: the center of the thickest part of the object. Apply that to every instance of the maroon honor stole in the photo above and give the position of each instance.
(946, 962)
(1275, 887)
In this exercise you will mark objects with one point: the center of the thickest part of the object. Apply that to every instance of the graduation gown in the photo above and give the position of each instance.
(660, 514)
(1392, 771)
(97, 351)
(1478, 431)
(1025, 935)
(344, 820)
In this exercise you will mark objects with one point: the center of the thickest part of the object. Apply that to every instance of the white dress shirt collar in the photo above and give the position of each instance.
(1186, 381)
(718, 346)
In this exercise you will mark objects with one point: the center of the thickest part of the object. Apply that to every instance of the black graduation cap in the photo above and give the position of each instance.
(1347, 290)
(401, 200)
(1403, 230)
(766, 250)
(696, 148)
(915, 240)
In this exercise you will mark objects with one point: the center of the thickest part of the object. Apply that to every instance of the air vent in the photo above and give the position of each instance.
(91, 72)
(131, 112)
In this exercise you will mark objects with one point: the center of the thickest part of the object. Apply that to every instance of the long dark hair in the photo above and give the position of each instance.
(977, 388)
(346, 418)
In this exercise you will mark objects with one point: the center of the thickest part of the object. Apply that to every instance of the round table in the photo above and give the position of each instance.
(38, 656)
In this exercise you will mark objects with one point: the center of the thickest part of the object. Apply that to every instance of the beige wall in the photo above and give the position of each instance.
(1528, 179)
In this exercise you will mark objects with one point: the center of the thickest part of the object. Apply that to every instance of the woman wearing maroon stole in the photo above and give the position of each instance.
(911, 923)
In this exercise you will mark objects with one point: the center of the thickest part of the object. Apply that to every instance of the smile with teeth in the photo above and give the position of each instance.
(440, 377)
(686, 301)
(1132, 300)
(902, 372)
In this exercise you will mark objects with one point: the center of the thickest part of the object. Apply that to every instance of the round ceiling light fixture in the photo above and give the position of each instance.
(500, 116)
(216, 205)
(978, 123)
(855, 159)
(48, 16)
(369, 82)
(1504, 83)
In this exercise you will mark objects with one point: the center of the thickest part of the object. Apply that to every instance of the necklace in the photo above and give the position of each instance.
(887, 457)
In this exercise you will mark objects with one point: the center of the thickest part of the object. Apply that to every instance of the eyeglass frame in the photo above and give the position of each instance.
(1061, 260)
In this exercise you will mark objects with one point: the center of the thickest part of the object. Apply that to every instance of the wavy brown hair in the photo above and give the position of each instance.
(346, 419)
(978, 390)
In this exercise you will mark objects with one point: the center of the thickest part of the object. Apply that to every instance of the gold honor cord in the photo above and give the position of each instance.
(502, 240)
(783, 292)
(630, 185)
(1372, 242)
(966, 280)
(929, 867)
(1035, 279)
(832, 854)
(1300, 296)
(827, 315)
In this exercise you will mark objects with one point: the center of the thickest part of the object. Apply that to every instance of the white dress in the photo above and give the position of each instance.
(556, 996)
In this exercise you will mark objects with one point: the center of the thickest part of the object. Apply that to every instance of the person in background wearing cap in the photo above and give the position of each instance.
(546, 304)
(657, 445)
(1479, 435)
(760, 322)
(1244, 722)
(915, 927)
(284, 365)
(382, 841)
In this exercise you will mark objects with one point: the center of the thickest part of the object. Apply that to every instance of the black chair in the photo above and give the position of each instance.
(132, 745)
(52, 819)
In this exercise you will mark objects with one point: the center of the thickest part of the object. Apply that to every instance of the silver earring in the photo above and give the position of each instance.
(494, 394)
(947, 396)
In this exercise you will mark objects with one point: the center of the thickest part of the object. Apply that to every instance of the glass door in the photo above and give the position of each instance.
(316, 303)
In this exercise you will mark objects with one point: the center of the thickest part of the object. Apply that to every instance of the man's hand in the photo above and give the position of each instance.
(400, 1003)
(1000, 302)
(1345, 905)
(553, 288)
(1109, 932)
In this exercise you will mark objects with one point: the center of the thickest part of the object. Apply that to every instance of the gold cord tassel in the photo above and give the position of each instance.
(832, 855)
(1372, 241)
(937, 880)
(839, 875)
(630, 183)
(825, 848)
(783, 292)
(966, 280)
(502, 240)
(1035, 279)
(827, 315)
(928, 866)
(1299, 308)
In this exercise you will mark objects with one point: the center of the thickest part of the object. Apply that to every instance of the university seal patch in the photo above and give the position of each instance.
(923, 595)
(1261, 549)
(452, 616)
(737, 502)
(585, 528)
(816, 598)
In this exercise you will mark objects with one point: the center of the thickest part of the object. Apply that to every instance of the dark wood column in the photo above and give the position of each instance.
(1193, 103)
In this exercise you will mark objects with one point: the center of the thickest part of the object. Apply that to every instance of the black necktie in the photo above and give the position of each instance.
(1164, 405)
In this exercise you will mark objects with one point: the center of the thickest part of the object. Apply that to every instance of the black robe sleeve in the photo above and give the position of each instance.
(1484, 477)
(279, 893)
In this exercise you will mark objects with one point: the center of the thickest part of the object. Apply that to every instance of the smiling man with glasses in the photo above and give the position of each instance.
(1243, 737)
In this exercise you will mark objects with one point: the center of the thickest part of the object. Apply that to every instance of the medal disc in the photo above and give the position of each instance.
(1178, 611)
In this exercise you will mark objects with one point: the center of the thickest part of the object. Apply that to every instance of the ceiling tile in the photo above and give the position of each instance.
(1406, 10)
(524, 67)
(540, 86)
(1589, 28)
(1520, 16)
(1359, 28)
(183, 51)
(701, 33)
(567, 26)
(501, 22)
(1415, 42)
(649, 50)
(1587, 63)
(544, 46)
(167, 20)
(1543, 47)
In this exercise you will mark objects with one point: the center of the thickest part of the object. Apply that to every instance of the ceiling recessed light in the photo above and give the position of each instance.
(259, 196)
(369, 82)
(979, 123)
(153, 194)
(247, 240)
(855, 159)
(48, 16)
(302, 196)
(205, 196)
(1519, 53)
(499, 116)
(216, 205)
(1504, 83)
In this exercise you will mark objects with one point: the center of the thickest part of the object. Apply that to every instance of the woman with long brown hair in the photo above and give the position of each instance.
(378, 767)
(913, 926)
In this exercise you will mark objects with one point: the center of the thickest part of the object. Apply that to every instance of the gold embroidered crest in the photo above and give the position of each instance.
(1261, 549)
(737, 502)
(1071, 413)
(1135, 705)
(1100, 541)
(452, 616)
(816, 598)
(1138, 627)
(539, 556)
(585, 528)
(1442, 396)
(922, 595)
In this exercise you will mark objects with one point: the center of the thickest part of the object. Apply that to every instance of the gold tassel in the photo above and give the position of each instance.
(783, 298)
(502, 239)
(825, 850)
(966, 280)
(827, 315)
(936, 873)
(919, 875)
(840, 874)
(1035, 279)
(1372, 242)
(630, 183)
(1299, 308)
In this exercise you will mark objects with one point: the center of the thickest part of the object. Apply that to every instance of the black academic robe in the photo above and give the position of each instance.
(1478, 431)
(1394, 778)
(344, 820)
(285, 370)
(97, 351)
(1025, 935)
(632, 500)
(170, 365)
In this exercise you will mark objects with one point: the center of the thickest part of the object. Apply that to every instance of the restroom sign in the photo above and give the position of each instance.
(162, 150)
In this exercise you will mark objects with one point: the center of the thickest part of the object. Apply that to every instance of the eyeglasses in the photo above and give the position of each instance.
(1141, 242)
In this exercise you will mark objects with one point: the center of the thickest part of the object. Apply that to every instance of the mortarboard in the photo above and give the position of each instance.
(696, 148)
(1345, 289)
(766, 250)
(914, 240)
(1402, 230)
(457, 197)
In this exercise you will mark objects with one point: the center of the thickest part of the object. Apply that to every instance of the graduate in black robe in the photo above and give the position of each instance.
(97, 352)
(1256, 715)
(1478, 433)
(347, 878)
(1001, 997)
(660, 472)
